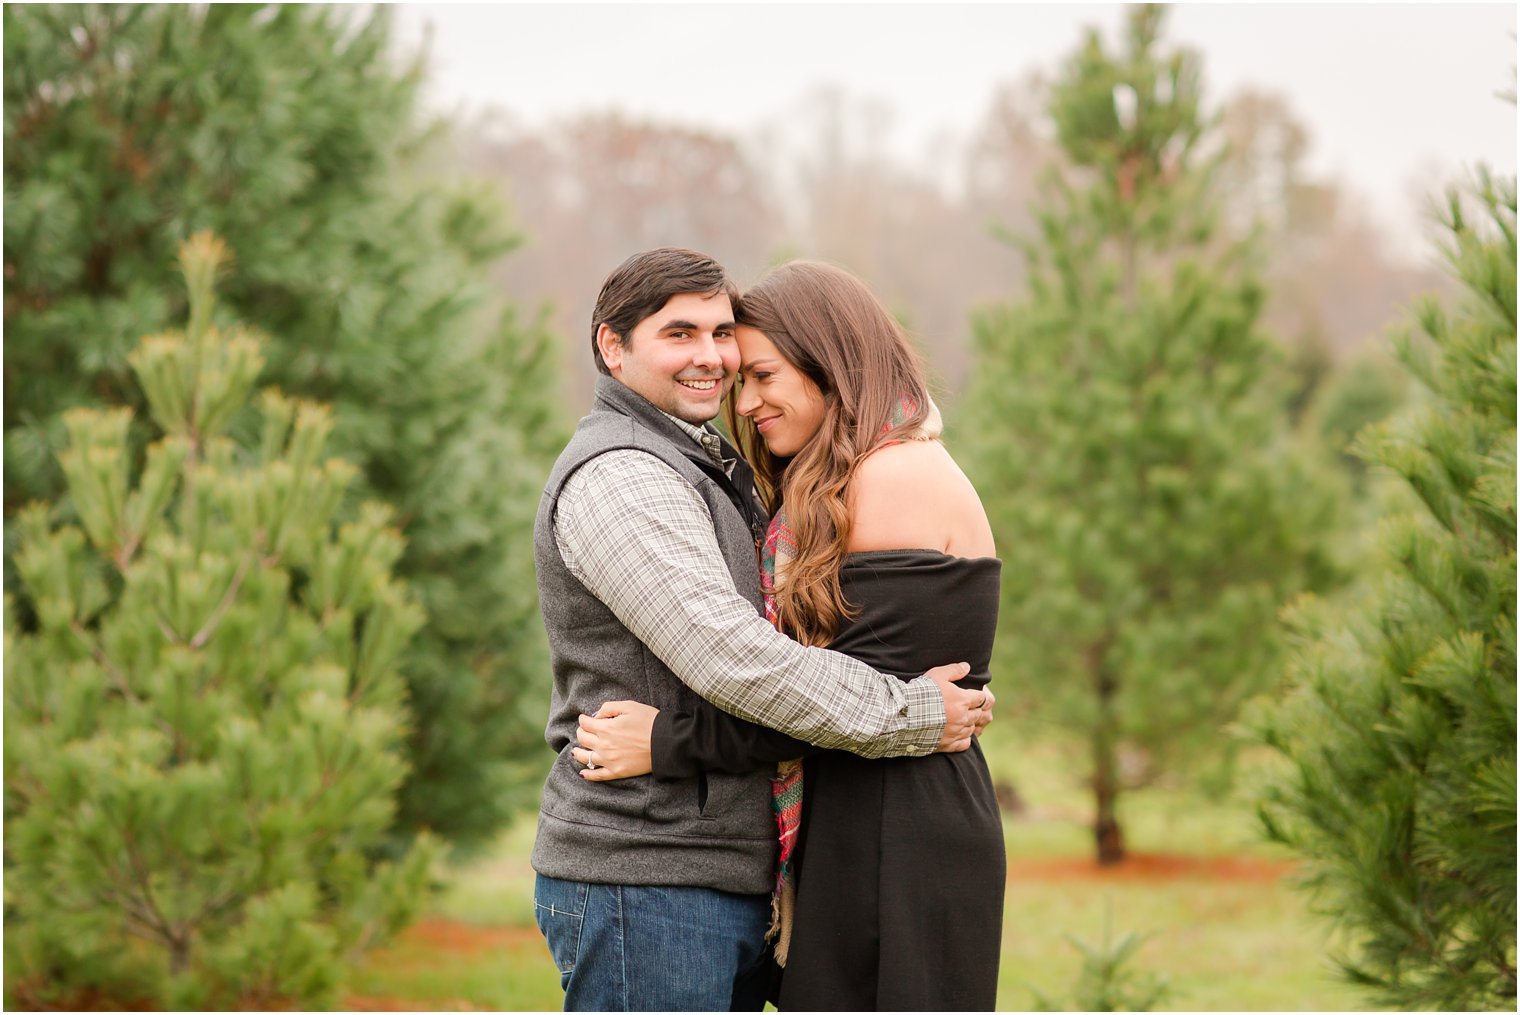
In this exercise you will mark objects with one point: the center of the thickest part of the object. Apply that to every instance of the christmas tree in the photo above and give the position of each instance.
(292, 132)
(1399, 733)
(203, 708)
(1129, 427)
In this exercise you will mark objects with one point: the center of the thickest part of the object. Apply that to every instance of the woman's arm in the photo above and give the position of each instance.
(627, 738)
(704, 738)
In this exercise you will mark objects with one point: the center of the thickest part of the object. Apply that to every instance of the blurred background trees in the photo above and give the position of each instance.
(822, 180)
(589, 191)
(293, 134)
(1130, 437)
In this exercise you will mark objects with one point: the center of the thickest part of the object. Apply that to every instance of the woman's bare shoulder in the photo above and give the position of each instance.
(913, 496)
(902, 461)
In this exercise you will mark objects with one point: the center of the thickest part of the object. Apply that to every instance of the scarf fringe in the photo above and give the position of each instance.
(783, 911)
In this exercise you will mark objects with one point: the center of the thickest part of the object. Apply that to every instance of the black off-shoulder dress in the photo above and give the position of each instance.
(900, 863)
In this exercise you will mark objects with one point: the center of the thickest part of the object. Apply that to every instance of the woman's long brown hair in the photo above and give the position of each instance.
(830, 325)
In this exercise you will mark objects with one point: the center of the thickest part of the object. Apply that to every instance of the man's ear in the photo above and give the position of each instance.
(611, 347)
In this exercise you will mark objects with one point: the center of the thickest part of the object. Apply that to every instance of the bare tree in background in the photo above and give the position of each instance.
(588, 192)
(902, 227)
(1332, 284)
(1008, 154)
(927, 232)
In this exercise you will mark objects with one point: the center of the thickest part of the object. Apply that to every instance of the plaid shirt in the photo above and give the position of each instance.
(640, 538)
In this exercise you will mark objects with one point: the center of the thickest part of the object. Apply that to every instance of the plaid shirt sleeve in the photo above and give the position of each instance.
(640, 538)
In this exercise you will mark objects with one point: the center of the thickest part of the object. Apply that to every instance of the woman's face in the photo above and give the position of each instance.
(783, 403)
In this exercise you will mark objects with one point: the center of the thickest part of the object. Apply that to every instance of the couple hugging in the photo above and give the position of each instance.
(751, 641)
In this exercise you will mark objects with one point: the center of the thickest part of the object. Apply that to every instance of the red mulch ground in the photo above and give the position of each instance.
(358, 1002)
(447, 935)
(1150, 867)
(435, 935)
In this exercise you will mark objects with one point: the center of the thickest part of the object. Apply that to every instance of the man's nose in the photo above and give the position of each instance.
(706, 353)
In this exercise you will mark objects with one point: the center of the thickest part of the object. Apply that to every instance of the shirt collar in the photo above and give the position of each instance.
(708, 439)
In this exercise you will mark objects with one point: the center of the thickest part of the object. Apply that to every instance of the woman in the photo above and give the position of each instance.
(879, 548)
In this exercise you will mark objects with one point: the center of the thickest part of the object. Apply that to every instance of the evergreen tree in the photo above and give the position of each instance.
(288, 131)
(1367, 389)
(1130, 439)
(1399, 732)
(203, 709)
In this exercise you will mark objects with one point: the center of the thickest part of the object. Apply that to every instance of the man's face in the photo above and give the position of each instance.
(682, 357)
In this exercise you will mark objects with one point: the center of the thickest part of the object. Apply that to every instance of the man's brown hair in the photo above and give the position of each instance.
(645, 282)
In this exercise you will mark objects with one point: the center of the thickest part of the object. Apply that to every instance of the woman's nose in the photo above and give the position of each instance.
(747, 401)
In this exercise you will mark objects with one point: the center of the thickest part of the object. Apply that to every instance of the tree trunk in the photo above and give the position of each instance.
(1107, 835)
(179, 954)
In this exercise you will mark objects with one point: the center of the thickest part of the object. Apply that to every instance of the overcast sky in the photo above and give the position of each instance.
(1396, 97)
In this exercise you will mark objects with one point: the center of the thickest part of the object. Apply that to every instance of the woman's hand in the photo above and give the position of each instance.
(614, 743)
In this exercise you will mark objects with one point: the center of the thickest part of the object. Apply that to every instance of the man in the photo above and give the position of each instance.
(655, 894)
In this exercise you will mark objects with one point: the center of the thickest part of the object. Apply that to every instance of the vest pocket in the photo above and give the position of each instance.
(702, 793)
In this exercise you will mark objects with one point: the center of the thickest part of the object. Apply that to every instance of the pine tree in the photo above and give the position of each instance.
(203, 710)
(1399, 733)
(1129, 430)
(289, 131)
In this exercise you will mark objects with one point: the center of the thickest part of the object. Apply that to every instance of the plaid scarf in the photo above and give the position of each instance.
(778, 551)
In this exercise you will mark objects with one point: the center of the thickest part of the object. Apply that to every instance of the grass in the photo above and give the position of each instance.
(1222, 946)
(1240, 938)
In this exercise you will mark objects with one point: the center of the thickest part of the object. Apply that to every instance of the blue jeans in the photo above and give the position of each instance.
(655, 948)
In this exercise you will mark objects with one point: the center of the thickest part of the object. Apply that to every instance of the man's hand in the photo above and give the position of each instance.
(967, 713)
(614, 743)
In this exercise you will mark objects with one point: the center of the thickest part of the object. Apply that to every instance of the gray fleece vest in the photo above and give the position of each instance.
(713, 831)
